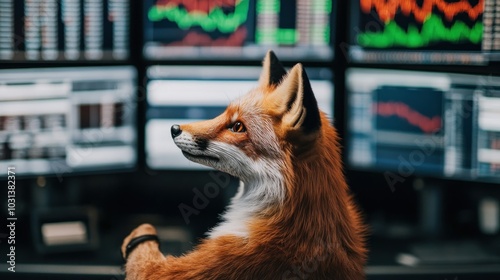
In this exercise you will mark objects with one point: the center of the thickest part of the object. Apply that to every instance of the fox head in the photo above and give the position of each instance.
(261, 132)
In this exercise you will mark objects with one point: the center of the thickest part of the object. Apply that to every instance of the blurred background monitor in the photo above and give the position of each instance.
(64, 30)
(179, 95)
(297, 30)
(424, 32)
(57, 121)
(438, 124)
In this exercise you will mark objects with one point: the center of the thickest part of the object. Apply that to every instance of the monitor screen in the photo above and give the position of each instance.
(425, 32)
(421, 123)
(56, 121)
(64, 30)
(238, 29)
(184, 94)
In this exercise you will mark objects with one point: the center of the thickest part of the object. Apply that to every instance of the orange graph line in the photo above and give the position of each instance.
(387, 9)
(401, 110)
(194, 38)
(204, 6)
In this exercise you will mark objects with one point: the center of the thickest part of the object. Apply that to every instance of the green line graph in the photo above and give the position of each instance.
(433, 30)
(215, 19)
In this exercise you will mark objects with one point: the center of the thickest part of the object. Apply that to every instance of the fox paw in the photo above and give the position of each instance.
(143, 229)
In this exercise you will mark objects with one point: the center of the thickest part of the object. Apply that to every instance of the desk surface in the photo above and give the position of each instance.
(106, 264)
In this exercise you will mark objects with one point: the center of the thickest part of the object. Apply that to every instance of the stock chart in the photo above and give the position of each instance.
(427, 31)
(70, 30)
(208, 23)
(408, 114)
(439, 124)
(201, 29)
(405, 24)
(412, 110)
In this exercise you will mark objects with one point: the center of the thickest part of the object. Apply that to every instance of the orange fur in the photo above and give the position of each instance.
(315, 233)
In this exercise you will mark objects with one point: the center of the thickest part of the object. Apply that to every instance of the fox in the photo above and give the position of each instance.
(293, 216)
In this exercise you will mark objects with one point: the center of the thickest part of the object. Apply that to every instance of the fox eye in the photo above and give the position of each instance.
(238, 127)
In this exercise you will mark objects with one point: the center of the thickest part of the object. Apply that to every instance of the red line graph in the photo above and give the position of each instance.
(204, 6)
(387, 9)
(194, 38)
(401, 110)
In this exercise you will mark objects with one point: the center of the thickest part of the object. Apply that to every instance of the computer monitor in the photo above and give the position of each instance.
(184, 94)
(238, 29)
(408, 123)
(57, 121)
(424, 32)
(68, 30)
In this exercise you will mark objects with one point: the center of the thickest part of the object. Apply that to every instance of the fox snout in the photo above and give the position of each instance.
(175, 130)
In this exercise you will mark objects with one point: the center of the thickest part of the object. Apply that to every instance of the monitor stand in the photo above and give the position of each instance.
(431, 208)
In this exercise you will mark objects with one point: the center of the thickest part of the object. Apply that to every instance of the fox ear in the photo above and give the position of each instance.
(272, 71)
(296, 101)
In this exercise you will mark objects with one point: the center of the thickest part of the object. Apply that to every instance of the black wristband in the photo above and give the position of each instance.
(138, 240)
